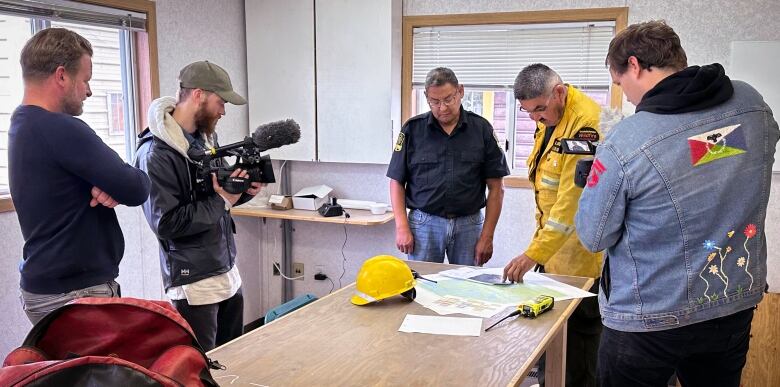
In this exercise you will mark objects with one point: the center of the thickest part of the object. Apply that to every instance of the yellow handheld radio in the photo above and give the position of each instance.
(530, 308)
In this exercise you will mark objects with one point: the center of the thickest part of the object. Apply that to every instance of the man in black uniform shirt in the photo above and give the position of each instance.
(441, 164)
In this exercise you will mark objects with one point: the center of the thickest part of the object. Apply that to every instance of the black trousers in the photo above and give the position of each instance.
(214, 324)
(582, 343)
(709, 353)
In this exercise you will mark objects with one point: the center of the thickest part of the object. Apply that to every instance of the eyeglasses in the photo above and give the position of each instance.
(449, 101)
(543, 107)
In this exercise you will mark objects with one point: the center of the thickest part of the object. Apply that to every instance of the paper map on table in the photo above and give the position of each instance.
(451, 304)
(449, 296)
(484, 276)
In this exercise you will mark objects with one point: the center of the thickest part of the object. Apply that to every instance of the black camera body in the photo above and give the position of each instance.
(247, 153)
(579, 146)
(248, 158)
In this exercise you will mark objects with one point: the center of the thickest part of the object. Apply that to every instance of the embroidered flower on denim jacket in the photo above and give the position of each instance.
(741, 261)
(709, 245)
(750, 230)
(714, 269)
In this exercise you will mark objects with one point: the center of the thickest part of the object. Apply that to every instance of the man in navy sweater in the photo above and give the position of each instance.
(64, 180)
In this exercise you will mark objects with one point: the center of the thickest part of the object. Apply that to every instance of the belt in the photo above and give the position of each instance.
(446, 215)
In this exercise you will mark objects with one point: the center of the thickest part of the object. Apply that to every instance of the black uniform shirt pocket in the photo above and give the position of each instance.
(470, 165)
(423, 168)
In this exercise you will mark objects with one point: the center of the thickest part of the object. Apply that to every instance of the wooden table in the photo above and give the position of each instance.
(334, 343)
(356, 217)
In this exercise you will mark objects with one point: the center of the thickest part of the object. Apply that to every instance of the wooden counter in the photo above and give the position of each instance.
(357, 217)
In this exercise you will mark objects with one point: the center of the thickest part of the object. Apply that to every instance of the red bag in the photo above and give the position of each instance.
(109, 341)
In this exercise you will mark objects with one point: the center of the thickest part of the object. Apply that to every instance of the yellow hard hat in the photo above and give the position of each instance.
(381, 277)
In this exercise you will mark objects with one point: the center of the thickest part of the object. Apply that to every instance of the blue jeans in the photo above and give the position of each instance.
(709, 353)
(434, 236)
(36, 306)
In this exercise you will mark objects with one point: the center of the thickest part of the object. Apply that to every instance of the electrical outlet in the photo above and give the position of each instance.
(275, 268)
(297, 269)
(319, 269)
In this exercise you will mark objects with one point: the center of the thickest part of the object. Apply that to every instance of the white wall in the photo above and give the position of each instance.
(194, 30)
(13, 318)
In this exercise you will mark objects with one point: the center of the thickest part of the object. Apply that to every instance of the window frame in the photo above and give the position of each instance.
(618, 15)
(145, 63)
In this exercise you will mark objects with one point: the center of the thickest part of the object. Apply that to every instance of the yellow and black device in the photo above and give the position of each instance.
(531, 308)
(537, 306)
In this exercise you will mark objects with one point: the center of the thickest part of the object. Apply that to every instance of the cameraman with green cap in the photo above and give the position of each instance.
(192, 222)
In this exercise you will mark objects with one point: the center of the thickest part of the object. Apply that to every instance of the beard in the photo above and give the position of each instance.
(72, 104)
(205, 122)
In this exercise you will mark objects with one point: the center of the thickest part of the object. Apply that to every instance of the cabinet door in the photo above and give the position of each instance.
(358, 55)
(280, 70)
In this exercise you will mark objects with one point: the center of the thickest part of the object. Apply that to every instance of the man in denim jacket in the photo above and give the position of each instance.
(677, 196)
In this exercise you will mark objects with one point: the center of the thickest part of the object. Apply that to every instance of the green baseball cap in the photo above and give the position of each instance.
(210, 77)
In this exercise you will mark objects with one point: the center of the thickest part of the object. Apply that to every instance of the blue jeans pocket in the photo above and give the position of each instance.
(418, 218)
(477, 218)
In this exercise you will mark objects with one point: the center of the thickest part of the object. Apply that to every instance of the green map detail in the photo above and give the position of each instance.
(719, 152)
(501, 294)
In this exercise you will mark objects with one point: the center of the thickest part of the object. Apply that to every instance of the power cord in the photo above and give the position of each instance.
(332, 286)
(344, 257)
(276, 265)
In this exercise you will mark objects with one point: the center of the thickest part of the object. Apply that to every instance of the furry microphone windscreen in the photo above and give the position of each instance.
(275, 134)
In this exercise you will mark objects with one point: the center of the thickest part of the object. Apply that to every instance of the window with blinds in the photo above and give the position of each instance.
(487, 58)
(112, 110)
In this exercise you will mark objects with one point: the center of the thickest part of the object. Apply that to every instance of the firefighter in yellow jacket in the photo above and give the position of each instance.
(561, 112)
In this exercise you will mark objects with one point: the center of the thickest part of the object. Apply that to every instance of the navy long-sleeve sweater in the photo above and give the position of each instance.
(54, 161)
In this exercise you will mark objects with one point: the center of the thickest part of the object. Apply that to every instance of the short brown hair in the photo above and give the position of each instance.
(51, 48)
(652, 43)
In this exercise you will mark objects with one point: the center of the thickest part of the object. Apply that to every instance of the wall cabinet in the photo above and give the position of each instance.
(334, 66)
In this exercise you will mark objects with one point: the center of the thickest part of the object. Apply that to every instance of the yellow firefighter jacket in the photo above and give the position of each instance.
(555, 243)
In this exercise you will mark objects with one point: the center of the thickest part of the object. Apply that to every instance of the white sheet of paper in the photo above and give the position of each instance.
(437, 325)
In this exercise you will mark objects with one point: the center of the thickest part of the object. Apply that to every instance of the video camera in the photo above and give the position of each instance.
(579, 146)
(248, 158)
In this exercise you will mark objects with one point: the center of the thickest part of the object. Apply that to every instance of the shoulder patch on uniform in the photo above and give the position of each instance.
(588, 134)
(399, 144)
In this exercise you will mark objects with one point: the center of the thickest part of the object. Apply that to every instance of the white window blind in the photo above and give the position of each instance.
(487, 58)
(492, 55)
(70, 11)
